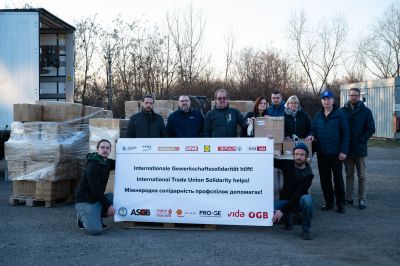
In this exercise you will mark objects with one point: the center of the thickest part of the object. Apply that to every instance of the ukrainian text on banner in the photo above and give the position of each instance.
(202, 180)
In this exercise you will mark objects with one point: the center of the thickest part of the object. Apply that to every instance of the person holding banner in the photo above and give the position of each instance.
(185, 122)
(91, 202)
(222, 121)
(146, 123)
(297, 180)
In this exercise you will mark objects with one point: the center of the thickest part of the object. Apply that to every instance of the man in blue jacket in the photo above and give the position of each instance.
(222, 121)
(362, 127)
(185, 122)
(277, 107)
(330, 130)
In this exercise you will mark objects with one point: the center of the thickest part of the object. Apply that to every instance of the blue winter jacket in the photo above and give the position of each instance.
(276, 110)
(185, 124)
(331, 132)
(362, 127)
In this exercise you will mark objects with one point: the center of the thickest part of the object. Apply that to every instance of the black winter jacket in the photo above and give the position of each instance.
(185, 124)
(94, 180)
(222, 123)
(362, 127)
(146, 125)
(299, 125)
(331, 132)
(296, 182)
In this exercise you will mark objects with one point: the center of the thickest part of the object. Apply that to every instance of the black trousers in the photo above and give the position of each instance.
(328, 165)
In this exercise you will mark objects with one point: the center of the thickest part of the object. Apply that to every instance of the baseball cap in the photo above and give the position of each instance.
(327, 94)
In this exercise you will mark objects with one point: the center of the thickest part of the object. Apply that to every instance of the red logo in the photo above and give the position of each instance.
(191, 148)
(261, 148)
(258, 215)
(226, 148)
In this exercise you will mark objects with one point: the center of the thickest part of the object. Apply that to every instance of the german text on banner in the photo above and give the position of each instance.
(200, 181)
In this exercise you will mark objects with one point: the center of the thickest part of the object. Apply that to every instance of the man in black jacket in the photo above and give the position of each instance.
(91, 202)
(362, 127)
(146, 123)
(297, 179)
(222, 121)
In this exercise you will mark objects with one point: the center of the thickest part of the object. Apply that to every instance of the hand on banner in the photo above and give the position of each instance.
(110, 211)
(277, 216)
(342, 156)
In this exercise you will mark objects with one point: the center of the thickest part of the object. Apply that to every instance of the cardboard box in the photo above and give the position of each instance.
(274, 126)
(131, 107)
(28, 112)
(288, 145)
(61, 111)
(52, 190)
(242, 106)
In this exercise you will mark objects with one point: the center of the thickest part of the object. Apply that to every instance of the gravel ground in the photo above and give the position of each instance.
(48, 236)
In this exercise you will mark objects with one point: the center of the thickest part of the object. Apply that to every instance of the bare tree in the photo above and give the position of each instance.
(187, 32)
(86, 37)
(381, 48)
(317, 50)
(229, 44)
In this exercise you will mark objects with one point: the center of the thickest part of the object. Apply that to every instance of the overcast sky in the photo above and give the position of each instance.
(255, 23)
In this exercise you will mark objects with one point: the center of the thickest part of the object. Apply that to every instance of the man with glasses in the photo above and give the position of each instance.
(362, 127)
(185, 122)
(222, 121)
(277, 107)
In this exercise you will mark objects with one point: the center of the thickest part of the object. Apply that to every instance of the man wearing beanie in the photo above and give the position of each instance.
(297, 179)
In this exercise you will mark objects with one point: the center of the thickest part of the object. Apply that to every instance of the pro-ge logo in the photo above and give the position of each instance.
(122, 211)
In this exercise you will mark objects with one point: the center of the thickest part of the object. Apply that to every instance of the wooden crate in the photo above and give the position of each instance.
(39, 190)
(24, 188)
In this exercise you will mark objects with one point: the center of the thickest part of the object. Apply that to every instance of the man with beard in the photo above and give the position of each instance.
(297, 180)
(362, 127)
(146, 123)
(185, 122)
(91, 202)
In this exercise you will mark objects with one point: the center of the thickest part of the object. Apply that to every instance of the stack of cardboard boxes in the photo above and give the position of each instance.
(47, 148)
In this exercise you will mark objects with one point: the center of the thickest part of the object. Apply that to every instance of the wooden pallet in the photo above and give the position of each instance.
(169, 226)
(32, 202)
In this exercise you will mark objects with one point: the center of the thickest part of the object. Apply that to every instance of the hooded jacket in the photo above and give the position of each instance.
(331, 132)
(94, 180)
(146, 125)
(276, 110)
(362, 127)
(222, 123)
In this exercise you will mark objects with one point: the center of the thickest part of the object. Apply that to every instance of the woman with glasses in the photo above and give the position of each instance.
(297, 122)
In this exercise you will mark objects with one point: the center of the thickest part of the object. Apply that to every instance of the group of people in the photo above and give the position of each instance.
(340, 136)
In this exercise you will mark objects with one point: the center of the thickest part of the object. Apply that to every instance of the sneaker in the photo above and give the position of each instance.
(79, 223)
(362, 205)
(327, 207)
(306, 235)
(340, 208)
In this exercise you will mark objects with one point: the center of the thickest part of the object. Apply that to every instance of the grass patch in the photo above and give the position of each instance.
(384, 143)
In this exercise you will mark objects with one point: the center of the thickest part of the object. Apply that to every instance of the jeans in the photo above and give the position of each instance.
(304, 205)
(349, 165)
(90, 215)
(328, 165)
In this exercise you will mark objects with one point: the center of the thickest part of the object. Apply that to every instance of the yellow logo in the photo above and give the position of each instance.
(207, 148)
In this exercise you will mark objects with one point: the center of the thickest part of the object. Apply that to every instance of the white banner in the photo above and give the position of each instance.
(195, 180)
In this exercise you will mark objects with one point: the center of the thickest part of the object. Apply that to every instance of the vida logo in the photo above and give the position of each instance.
(237, 213)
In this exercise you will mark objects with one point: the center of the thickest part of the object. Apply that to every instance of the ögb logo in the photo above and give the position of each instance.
(258, 215)
(261, 148)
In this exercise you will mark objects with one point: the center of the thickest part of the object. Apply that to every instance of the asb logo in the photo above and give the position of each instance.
(191, 148)
(164, 212)
(122, 211)
(226, 148)
(206, 213)
(141, 212)
(207, 148)
(261, 148)
(167, 148)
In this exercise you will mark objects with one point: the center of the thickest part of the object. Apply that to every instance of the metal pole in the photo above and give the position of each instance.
(109, 80)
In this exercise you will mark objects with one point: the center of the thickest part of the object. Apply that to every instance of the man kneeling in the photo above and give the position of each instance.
(91, 202)
(297, 179)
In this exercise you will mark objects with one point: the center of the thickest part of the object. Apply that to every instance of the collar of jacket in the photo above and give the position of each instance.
(221, 109)
(359, 105)
(149, 114)
(183, 112)
(94, 156)
(333, 112)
